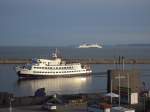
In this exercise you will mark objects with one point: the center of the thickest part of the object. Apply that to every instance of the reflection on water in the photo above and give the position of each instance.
(55, 85)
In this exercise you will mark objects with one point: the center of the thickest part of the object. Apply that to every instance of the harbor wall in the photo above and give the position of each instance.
(83, 61)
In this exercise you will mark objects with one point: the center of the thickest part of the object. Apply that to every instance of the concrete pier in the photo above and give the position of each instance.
(83, 61)
(14, 61)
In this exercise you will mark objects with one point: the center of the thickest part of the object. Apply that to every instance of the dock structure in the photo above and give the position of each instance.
(79, 60)
(126, 84)
(129, 78)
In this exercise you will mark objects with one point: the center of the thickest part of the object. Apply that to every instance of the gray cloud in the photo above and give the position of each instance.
(110, 21)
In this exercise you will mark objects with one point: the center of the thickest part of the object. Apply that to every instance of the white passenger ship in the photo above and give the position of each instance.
(85, 45)
(42, 68)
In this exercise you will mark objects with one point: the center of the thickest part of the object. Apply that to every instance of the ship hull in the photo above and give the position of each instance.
(20, 75)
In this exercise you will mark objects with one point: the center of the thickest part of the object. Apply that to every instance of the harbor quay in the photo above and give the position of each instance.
(80, 60)
(65, 103)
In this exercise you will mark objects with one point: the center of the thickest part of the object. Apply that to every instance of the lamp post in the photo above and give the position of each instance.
(119, 89)
(119, 79)
(128, 89)
(111, 89)
(10, 103)
(144, 102)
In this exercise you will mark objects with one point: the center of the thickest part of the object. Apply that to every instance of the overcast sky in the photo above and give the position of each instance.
(71, 22)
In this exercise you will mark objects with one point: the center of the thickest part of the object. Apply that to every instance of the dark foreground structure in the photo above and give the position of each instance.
(70, 103)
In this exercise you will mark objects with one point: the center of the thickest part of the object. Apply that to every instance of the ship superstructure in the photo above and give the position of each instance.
(85, 45)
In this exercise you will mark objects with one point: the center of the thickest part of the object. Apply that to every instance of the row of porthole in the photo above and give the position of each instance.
(53, 68)
(57, 72)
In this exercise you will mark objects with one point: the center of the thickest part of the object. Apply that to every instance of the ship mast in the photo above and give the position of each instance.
(54, 55)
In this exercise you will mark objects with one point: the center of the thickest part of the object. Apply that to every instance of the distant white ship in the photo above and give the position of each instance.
(85, 45)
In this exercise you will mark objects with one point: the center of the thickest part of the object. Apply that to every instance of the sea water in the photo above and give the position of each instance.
(97, 82)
